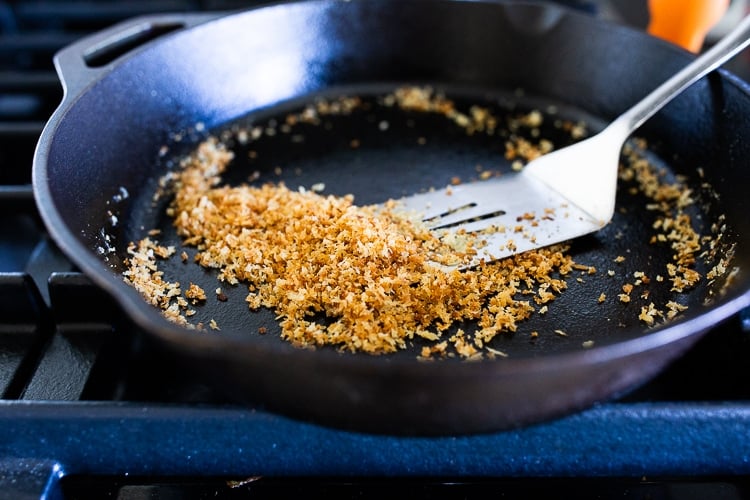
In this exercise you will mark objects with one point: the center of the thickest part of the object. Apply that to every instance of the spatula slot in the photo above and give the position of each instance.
(455, 223)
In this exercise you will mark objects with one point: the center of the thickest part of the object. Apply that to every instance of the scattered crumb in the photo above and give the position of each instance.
(370, 273)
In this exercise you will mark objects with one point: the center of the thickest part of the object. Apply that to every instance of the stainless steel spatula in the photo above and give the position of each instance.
(566, 193)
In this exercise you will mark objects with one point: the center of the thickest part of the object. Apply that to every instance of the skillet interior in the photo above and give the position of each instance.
(171, 85)
(418, 151)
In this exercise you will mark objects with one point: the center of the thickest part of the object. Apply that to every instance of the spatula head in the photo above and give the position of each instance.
(510, 214)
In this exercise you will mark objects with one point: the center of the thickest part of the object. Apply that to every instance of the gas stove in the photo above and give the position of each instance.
(91, 408)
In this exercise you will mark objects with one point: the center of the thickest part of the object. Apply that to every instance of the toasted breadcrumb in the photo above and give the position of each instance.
(195, 293)
(144, 275)
(371, 274)
(649, 313)
(363, 279)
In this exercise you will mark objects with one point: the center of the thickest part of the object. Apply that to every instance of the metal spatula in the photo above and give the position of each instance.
(566, 193)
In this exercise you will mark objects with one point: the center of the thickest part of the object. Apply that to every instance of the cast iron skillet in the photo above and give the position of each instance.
(127, 97)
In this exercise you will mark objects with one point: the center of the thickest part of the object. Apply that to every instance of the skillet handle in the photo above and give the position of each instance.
(85, 60)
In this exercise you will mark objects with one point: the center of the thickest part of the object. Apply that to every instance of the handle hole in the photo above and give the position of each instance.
(111, 49)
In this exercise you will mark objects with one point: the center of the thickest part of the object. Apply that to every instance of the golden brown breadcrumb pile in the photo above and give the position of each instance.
(354, 277)
(367, 279)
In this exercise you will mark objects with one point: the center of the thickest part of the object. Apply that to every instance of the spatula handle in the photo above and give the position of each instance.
(724, 49)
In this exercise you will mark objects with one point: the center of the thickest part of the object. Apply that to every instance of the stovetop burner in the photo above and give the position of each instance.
(91, 408)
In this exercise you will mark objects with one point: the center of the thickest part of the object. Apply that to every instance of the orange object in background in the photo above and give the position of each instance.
(685, 22)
